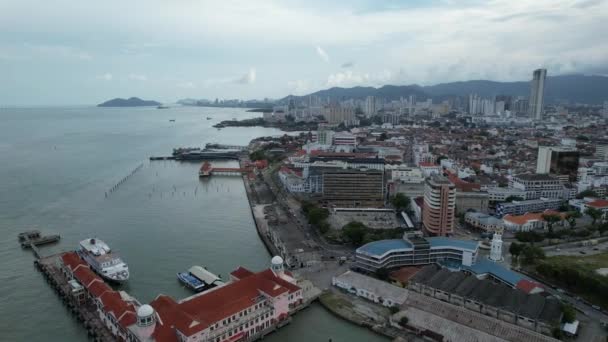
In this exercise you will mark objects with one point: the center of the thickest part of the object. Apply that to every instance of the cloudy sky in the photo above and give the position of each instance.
(84, 52)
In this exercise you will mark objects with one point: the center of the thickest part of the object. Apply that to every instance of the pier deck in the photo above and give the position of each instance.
(85, 312)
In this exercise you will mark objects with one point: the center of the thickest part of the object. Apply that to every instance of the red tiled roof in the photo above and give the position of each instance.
(113, 302)
(197, 313)
(128, 317)
(427, 164)
(241, 273)
(98, 288)
(598, 204)
(85, 276)
(166, 308)
(522, 219)
(72, 260)
(268, 274)
(404, 274)
(528, 285)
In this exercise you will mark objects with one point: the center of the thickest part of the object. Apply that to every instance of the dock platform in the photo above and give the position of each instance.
(86, 312)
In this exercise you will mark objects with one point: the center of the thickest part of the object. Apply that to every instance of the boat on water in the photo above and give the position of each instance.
(103, 261)
(199, 279)
(162, 107)
(171, 120)
(208, 118)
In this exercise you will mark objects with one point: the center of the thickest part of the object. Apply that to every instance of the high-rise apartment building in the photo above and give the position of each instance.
(353, 187)
(537, 94)
(439, 206)
(337, 115)
(370, 106)
(601, 151)
(559, 161)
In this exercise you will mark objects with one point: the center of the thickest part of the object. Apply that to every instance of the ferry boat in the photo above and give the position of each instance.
(199, 279)
(103, 261)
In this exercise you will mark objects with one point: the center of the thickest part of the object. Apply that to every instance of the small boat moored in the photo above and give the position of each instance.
(199, 279)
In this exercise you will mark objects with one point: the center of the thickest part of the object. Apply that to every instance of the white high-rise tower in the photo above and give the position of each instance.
(496, 247)
(537, 94)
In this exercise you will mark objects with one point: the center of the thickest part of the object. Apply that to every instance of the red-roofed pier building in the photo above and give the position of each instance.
(249, 306)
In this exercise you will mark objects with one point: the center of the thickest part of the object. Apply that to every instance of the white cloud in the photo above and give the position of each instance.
(248, 78)
(350, 78)
(105, 77)
(137, 77)
(426, 43)
(186, 85)
(299, 87)
(324, 56)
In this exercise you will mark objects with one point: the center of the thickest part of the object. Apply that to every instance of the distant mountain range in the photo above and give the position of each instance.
(571, 88)
(130, 102)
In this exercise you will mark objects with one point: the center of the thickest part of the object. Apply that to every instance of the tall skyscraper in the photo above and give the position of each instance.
(559, 161)
(370, 106)
(439, 206)
(537, 94)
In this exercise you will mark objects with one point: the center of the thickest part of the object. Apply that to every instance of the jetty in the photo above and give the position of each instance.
(208, 170)
(226, 147)
(69, 291)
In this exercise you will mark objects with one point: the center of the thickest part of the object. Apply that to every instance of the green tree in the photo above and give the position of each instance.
(569, 313)
(401, 203)
(316, 215)
(383, 136)
(515, 249)
(532, 254)
(354, 232)
(404, 321)
(571, 216)
(551, 219)
(594, 213)
(323, 227)
(586, 193)
(377, 119)
(257, 155)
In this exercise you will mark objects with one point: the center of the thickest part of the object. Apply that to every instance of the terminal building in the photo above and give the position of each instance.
(413, 251)
(246, 308)
(516, 305)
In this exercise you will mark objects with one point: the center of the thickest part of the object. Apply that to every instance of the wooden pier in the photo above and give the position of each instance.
(208, 170)
(86, 312)
(49, 266)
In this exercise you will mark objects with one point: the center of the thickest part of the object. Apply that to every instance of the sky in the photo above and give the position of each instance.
(84, 52)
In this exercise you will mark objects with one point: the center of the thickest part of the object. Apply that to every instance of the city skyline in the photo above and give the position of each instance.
(68, 53)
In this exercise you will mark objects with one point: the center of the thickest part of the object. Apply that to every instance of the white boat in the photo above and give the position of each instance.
(101, 259)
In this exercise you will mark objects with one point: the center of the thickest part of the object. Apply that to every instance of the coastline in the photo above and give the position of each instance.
(270, 247)
(338, 307)
(327, 296)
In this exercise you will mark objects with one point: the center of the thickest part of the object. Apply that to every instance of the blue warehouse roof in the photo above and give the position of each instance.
(437, 242)
(485, 266)
(380, 247)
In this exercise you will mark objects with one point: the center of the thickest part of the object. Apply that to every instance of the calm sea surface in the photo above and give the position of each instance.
(56, 165)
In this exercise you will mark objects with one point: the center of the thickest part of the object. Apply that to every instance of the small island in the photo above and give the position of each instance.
(130, 102)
